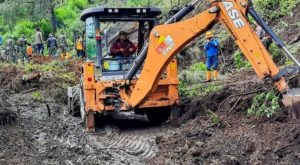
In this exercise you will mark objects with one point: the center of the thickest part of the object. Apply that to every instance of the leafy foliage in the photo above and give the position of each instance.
(214, 118)
(37, 96)
(197, 90)
(275, 8)
(264, 104)
(239, 61)
(275, 52)
(198, 67)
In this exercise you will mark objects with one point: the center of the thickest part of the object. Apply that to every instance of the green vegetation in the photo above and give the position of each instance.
(29, 67)
(54, 16)
(68, 77)
(264, 104)
(200, 89)
(37, 96)
(53, 66)
(198, 67)
(194, 74)
(214, 118)
(275, 52)
(272, 9)
(239, 60)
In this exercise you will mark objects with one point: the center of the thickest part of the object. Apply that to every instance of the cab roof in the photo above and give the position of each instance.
(126, 14)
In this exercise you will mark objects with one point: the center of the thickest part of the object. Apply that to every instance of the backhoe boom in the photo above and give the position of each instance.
(168, 39)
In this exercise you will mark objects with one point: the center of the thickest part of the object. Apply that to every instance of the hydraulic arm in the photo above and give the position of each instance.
(167, 40)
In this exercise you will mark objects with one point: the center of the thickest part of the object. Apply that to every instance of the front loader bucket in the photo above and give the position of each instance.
(291, 101)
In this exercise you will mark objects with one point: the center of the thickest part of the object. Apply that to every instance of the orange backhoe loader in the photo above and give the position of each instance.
(148, 83)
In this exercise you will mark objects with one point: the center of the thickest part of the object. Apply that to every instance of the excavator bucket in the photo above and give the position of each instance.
(291, 101)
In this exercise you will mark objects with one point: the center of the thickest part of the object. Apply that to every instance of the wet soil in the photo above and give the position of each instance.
(34, 137)
(234, 138)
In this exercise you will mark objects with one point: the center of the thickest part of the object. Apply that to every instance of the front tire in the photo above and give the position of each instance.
(74, 102)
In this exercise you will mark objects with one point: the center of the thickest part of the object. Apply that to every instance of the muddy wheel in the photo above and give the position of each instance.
(158, 115)
(175, 112)
(82, 105)
(74, 102)
(90, 121)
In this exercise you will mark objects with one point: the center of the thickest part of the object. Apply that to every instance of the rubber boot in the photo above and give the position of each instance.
(208, 76)
(216, 74)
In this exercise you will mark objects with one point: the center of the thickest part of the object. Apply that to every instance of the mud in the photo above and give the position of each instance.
(36, 138)
(235, 138)
(28, 135)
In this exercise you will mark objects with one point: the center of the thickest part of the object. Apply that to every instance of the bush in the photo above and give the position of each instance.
(197, 90)
(239, 61)
(198, 67)
(275, 8)
(46, 28)
(29, 67)
(264, 104)
(37, 96)
(275, 52)
(25, 27)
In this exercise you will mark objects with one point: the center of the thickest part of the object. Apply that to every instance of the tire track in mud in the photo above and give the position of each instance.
(140, 146)
(61, 139)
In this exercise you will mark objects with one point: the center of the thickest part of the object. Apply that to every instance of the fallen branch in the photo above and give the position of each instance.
(49, 111)
(241, 94)
(28, 91)
(232, 108)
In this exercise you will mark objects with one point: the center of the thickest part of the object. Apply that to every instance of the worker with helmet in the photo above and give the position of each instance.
(211, 51)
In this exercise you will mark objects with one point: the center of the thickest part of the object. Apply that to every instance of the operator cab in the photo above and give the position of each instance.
(102, 27)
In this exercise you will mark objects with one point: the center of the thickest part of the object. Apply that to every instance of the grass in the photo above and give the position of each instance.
(37, 96)
(197, 89)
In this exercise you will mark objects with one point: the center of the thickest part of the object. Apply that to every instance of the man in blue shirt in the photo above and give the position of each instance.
(211, 51)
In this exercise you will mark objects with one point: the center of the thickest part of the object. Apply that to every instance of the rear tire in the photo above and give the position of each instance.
(158, 115)
(74, 102)
(82, 106)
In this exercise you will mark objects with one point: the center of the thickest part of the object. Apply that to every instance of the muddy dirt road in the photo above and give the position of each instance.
(32, 137)
(36, 138)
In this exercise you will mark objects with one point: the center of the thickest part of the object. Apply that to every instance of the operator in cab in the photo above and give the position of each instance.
(122, 47)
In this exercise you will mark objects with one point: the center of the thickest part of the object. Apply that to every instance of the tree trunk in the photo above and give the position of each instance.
(53, 21)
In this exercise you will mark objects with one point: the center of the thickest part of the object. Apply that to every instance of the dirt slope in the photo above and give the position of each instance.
(235, 138)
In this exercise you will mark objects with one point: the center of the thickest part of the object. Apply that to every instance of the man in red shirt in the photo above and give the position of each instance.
(122, 47)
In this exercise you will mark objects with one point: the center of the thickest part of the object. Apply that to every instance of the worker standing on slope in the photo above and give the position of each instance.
(52, 46)
(22, 42)
(10, 49)
(39, 41)
(62, 40)
(79, 48)
(211, 51)
(29, 51)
